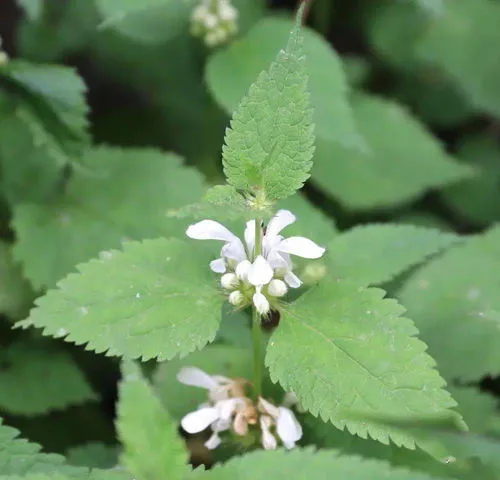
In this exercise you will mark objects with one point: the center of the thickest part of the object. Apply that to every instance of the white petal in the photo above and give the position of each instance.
(218, 266)
(210, 230)
(261, 303)
(289, 445)
(234, 250)
(250, 236)
(226, 408)
(197, 421)
(292, 280)
(287, 426)
(279, 261)
(268, 439)
(302, 247)
(242, 270)
(260, 273)
(268, 407)
(196, 378)
(213, 442)
(281, 220)
(277, 288)
(290, 399)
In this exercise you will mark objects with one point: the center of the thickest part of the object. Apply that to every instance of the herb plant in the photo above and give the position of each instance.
(165, 321)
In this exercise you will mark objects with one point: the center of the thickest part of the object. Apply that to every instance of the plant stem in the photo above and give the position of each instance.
(256, 331)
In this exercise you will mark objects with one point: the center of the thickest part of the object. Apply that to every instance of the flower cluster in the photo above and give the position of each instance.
(3, 56)
(228, 408)
(258, 279)
(214, 21)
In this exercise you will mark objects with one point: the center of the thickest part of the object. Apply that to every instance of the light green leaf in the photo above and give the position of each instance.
(455, 303)
(156, 299)
(57, 94)
(459, 41)
(16, 294)
(153, 449)
(32, 161)
(150, 21)
(306, 464)
(123, 195)
(374, 254)
(271, 131)
(477, 198)
(405, 159)
(342, 349)
(231, 71)
(93, 454)
(39, 378)
(179, 399)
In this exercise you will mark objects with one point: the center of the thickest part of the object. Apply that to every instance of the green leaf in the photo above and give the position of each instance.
(405, 159)
(271, 131)
(16, 294)
(459, 41)
(374, 254)
(39, 174)
(153, 449)
(93, 454)
(304, 464)
(32, 8)
(156, 299)
(150, 21)
(455, 303)
(57, 94)
(125, 194)
(342, 349)
(231, 71)
(38, 378)
(476, 199)
(179, 399)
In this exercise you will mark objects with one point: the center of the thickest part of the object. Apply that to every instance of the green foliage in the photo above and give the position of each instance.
(405, 159)
(122, 195)
(455, 43)
(180, 399)
(152, 448)
(302, 464)
(254, 158)
(344, 349)
(229, 78)
(374, 254)
(156, 299)
(40, 377)
(454, 302)
(96, 455)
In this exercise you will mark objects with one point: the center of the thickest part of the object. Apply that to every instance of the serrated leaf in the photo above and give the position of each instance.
(477, 198)
(153, 449)
(57, 94)
(32, 161)
(156, 299)
(304, 464)
(405, 159)
(455, 303)
(149, 21)
(93, 454)
(342, 349)
(458, 43)
(179, 399)
(37, 378)
(271, 131)
(231, 71)
(374, 254)
(123, 194)
(16, 294)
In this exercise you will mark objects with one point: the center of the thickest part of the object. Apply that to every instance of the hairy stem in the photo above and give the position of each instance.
(256, 331)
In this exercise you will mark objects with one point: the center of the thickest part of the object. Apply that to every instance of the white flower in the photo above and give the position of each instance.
(288, 428)
(277, 288)
(229, 281)
(214, 21)
(218, 386)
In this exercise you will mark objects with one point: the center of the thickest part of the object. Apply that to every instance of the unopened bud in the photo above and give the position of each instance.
(313, 273)
(277, 288)
(236, 298)
(229, 281)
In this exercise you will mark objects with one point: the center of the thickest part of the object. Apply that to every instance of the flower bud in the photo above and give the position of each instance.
(236, 298)
(277, 288)
(229, 281)
(261, 303)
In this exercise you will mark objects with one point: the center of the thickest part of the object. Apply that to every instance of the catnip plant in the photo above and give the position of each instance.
(244, 326)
